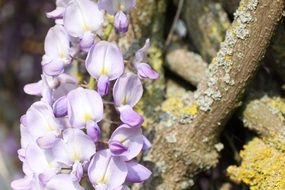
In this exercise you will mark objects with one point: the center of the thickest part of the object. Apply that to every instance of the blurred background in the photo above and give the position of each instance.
(23, 27)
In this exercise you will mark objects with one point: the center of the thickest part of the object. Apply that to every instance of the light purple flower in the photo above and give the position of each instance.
(105, 63)
(57, 49)
(58, 13)
(113, 6)
(137, 173)
(63, 181)
(126, 142)
(93, 131)
(140, 62)
(127, 92)
(82, 19)
(121, 22)
(146, 144)
(42, 125)
(118, 8)
(53, 90)
(41, 162)
(42, 88)
(84, 106)
(75, 146)
(26, 183)
(107, 172)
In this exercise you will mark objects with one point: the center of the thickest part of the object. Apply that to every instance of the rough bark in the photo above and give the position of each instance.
(182, 150)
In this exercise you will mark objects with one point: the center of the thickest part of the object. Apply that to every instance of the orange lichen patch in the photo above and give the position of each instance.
(262, 167)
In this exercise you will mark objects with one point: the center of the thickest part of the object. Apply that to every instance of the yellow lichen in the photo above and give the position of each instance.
(278, 104)
(262, 168)
(177, 107)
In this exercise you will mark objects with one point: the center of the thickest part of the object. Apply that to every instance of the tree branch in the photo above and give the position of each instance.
(183, 150)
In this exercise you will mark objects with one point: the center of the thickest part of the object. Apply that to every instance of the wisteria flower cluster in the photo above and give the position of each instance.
(61, 143)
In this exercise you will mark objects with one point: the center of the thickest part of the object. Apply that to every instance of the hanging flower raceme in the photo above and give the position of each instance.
(61, 140)
(118, 8)
(81, 20)
(127, 92)
(105, 63)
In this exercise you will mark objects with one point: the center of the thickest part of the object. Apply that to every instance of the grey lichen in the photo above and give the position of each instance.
(218, 73)
(171, 138)
(252, 5)
(219, 147)
(159, 168)
(242, 32)
(187, 184)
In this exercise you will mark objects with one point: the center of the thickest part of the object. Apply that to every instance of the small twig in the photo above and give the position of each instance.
(178, 12)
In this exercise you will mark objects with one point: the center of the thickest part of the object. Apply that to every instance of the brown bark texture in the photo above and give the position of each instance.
(191, 144)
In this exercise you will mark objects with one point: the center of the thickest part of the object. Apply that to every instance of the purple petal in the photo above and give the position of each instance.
(127, 90)
(47, 141)
(39, 160)
(57, 49)
(101, 187)
(66, 84)
(93, 131)
(109, 5)
(34, 88)
(60, 9)
(130, 117)
(57, 13)
(117, 148)
(75, 146)
(21, 154)
(146, 144)
(141, 54)
(63, 181)
(84, 106)
(129, 138)
(87, 41)
(53, 68)
(105, 59)
(145, 71)
(77, 171)
(23, 183)
(82, 16)
(46, 90)
(41, 121)
(107, 170)
(137, 173)
(46, 176)
(103, 85)
(23, 120)
(121, 22)
(60, 107)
